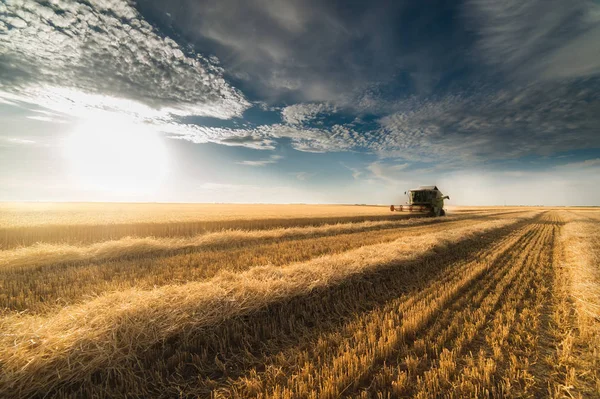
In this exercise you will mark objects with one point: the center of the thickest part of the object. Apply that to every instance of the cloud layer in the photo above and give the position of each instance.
(447, 82)
(540, 38)
(107, 48)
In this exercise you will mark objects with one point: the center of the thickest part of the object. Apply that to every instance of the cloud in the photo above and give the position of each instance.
(20, 141)
(450, 130)
(303, 176)
(399, 167)
(249, 138)
(263, 162)
(370, 62)
(539, 38)
(308, 139)
(563, 187)
(246, 141)
(588, 163)
(264, 137)
(313, 51)
(105, 48)
(356, 173)
(537, 119)
(273, 46)
(301, 113)
(387, 173)
(41, 118)
(46, 116)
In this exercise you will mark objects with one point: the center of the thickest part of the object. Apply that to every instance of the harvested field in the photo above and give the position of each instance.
(319, 302)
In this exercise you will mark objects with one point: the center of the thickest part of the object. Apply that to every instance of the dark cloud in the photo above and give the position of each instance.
(321, 51)
(538, 119)
(538, 39)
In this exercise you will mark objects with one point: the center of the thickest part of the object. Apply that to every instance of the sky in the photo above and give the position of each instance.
(497, 102)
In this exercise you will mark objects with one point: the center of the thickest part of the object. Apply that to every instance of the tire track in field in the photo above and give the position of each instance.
(281, 358)
(440, 375)
(408, 319)
(457, 326)
(577, 308)
(43, 289)
(475, 288)
(458, 373)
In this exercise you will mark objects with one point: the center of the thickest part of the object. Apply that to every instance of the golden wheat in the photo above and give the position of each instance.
(490, 302)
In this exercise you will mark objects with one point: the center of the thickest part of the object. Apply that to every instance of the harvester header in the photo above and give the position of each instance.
(425, 199)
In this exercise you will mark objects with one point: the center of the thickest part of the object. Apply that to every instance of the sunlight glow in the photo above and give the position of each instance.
(116, 155)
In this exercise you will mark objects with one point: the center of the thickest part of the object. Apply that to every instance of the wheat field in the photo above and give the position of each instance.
(298, 301)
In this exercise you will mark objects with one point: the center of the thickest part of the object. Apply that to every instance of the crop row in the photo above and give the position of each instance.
(34, 283)
(577, 314)
(141, 341)
(417, 345)
(79, 234)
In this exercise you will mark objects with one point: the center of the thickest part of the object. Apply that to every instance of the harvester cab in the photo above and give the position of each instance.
(425, 199)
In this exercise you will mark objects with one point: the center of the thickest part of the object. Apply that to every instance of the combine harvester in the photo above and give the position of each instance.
(425, 199)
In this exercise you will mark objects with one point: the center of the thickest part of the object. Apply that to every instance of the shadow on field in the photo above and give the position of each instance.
(206, 359)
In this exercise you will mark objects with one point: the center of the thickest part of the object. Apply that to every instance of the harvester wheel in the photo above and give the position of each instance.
(442, 213)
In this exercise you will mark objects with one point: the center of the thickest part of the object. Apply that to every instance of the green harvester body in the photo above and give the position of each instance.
(425, 199)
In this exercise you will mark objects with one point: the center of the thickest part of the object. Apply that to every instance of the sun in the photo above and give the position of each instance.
(116, 155)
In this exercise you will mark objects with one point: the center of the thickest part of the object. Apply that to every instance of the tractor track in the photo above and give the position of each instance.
(484, 334)
(285, 361)
(480, 287)
(419, 312)
(458, 324)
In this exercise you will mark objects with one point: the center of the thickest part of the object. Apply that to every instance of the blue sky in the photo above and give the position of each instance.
(300, 101)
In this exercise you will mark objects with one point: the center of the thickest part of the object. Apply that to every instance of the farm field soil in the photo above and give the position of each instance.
(323, 302)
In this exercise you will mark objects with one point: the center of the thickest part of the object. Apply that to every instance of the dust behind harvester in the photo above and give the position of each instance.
(425, 199)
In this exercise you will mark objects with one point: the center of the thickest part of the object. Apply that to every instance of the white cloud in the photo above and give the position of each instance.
(399, 167)
(263, 162)
(40, 118)
(356, 173)
(301, 113)
(263, 137)
(20, 141)
(250, 138)
(387, 173)
(105, 49)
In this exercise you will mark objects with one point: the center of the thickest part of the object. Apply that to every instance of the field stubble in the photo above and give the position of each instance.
(488, 302)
